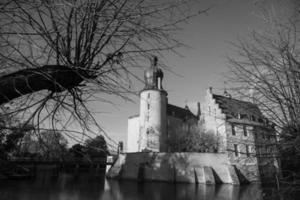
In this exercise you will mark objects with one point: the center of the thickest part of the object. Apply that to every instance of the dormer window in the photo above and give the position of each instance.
(244, 116)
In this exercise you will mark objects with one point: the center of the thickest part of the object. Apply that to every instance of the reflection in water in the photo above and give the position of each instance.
(124, 190)
(86, 187)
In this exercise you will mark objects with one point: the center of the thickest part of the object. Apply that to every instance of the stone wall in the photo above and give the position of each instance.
(208, 168)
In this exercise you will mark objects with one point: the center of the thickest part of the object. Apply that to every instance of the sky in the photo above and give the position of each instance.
(202, 65)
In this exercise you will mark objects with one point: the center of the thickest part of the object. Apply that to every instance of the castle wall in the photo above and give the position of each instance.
(208, 168)
(241, 150)
(133, 134)
(255, 156)
(266, 145)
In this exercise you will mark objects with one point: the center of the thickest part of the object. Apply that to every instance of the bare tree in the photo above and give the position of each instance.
(56, 55)
(266, 70)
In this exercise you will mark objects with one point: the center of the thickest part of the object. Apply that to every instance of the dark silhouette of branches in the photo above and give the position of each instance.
(57, 55)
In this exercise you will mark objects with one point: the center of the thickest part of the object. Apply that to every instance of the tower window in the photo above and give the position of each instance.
(215, 113)
(236, 151)
(232, 129)
(148, 95)
(148, 106)
(248, 150)
(245, 130)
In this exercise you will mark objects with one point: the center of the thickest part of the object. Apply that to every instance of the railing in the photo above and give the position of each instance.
(108, 161)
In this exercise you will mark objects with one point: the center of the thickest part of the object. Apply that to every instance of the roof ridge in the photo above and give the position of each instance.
(249, 102)
(181, 109)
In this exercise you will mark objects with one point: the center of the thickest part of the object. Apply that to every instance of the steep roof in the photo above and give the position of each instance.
(181, 113)
(233, 107)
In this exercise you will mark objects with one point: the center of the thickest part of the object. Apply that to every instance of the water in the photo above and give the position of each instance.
(89, 187)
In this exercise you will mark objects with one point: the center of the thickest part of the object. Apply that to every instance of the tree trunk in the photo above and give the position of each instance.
(55, 78)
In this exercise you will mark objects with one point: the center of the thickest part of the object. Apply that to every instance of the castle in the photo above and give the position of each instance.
(158, 120)
(246, 150)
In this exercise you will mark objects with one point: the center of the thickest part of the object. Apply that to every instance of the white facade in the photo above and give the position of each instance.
(133, 134)
(153, 120)
(214, 120)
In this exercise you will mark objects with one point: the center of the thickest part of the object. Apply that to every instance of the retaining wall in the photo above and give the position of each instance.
(208, 168)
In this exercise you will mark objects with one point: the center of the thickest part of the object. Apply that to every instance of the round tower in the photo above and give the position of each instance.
(153, 111)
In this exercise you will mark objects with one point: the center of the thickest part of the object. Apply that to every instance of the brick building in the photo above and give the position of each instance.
(243, 133)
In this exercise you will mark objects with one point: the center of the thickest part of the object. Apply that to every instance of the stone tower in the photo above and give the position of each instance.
(153, 113)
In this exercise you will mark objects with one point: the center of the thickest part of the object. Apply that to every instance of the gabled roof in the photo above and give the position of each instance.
(181, 113)
(233, 107)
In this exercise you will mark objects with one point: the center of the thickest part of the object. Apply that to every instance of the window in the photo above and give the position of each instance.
(245, 130)
(148, 95)
(215, 113)
(248, 149)
(233, 129)
(255, 135)
(148, 106)
(236, 152)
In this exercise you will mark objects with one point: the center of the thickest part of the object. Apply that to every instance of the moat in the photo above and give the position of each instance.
(86, 186)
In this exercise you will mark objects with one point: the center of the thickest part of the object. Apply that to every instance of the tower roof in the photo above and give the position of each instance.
(152, 75)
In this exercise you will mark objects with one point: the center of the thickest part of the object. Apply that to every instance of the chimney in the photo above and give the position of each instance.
(186, 107)
(210, 89)
(198, 110)
(226, 94)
